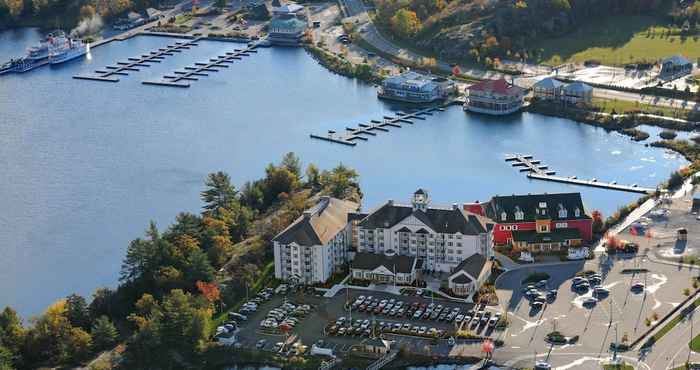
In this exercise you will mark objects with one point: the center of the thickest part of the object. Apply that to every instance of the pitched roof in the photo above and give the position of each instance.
(462, 279)
(440, 220)
(370, 261)
(677, 60)
(529, 203)
(548, 83)
(471, 265)
(500, 86)
(319, 224)
(556, 236)
(578, 87)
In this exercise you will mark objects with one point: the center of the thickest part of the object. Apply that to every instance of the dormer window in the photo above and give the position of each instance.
(519, 215)
(577, 212)
(562, 211)
(503, 216)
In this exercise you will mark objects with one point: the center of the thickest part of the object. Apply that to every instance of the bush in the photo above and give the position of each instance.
(668, 135)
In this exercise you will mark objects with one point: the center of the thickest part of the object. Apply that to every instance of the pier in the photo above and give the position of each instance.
(133, 64)
(540, 172)
(202, 69)
(355, 134)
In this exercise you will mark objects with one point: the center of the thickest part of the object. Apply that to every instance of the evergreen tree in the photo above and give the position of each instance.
(104, 334)
(219, 193)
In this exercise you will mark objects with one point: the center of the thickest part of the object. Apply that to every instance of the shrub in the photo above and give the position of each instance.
(668, 135)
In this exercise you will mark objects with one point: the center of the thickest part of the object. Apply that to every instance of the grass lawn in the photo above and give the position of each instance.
(622, 106)
(618, 367)
(183, 18)
(620, 40)
(695, 344)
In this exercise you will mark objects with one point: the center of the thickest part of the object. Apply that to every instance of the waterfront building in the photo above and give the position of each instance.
(385, 268)
(675, 67)
(315, 245)
(441, 237)
(548, 89)
(495, 97)
(414, 87)
(469, 275)
(286, 31)
(577, 93)
(539, 222)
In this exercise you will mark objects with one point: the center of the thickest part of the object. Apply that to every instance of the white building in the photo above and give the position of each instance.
(469, 275)
(495, 97)
(548, 89)
(314, 246)
(414, 87)
(440, 237)
(577, 93)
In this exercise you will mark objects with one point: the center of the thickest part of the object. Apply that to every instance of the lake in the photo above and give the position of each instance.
(86, 165)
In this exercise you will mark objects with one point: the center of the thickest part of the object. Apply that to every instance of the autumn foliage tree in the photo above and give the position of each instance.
(405, 23)
(597, 221)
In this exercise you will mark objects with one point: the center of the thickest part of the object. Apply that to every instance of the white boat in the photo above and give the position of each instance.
(64, 48)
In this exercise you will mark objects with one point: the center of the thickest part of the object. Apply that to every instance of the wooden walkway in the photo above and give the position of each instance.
(357, 133)
(540, 172)
(133, 64)
(202, 69)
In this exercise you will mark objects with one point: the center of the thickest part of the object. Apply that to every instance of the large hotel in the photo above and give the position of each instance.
(396, 243)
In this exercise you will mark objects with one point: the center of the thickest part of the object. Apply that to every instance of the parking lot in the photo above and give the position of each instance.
(630, 301)
(413, 330)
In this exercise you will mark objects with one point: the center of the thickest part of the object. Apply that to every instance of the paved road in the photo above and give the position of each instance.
(648, 99)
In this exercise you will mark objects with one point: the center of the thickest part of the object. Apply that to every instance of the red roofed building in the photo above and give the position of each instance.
(495, 97)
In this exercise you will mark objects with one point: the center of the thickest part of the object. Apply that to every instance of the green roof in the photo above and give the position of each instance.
(556, 236)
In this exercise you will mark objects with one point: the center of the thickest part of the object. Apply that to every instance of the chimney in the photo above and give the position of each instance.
(455, 206)
(390, 202)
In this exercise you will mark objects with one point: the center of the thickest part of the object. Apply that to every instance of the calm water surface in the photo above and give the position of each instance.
(85, 165)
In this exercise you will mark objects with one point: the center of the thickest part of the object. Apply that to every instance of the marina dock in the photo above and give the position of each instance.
(540, 172)
(133, 64)
(202, 69)
(356, 133)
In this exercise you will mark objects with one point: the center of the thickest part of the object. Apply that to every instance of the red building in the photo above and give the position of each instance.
(539, 221)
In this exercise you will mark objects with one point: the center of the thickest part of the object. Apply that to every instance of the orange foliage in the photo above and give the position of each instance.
(210, 291)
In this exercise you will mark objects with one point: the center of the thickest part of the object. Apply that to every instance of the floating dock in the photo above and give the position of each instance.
(541, 172)
(356, 133)
(202, 69)
(134, 63)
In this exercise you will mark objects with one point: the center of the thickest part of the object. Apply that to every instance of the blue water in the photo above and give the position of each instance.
(85, 165)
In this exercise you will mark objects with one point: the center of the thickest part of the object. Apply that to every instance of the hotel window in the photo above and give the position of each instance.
(503, 216)
(562, 211)
(459, 251)
(449, 244)
(450, 251)
(577, 212)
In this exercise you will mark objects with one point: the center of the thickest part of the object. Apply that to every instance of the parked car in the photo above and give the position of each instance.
(261, 344)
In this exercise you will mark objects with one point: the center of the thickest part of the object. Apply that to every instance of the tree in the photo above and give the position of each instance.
(199, 267)
(340, 181)
(313, 176)
(103, 302)
(6, 359)
(77, 311)
(597, 221)
(405, 23)
(219, 193)
(104, 334)
(78, 344)
(278, 180)
(291, 162)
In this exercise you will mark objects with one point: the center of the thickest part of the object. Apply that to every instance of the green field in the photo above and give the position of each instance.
(620, 40)
(695, 344)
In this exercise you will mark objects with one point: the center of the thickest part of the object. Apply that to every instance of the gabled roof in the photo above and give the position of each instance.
(677, 60)
(462, 279)
(319, 224)
(528, 205)
(440, 220)
(555, 236)
(370, 261)
(500, 86)
(472, 266)
(578, 87)
(548, 83)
